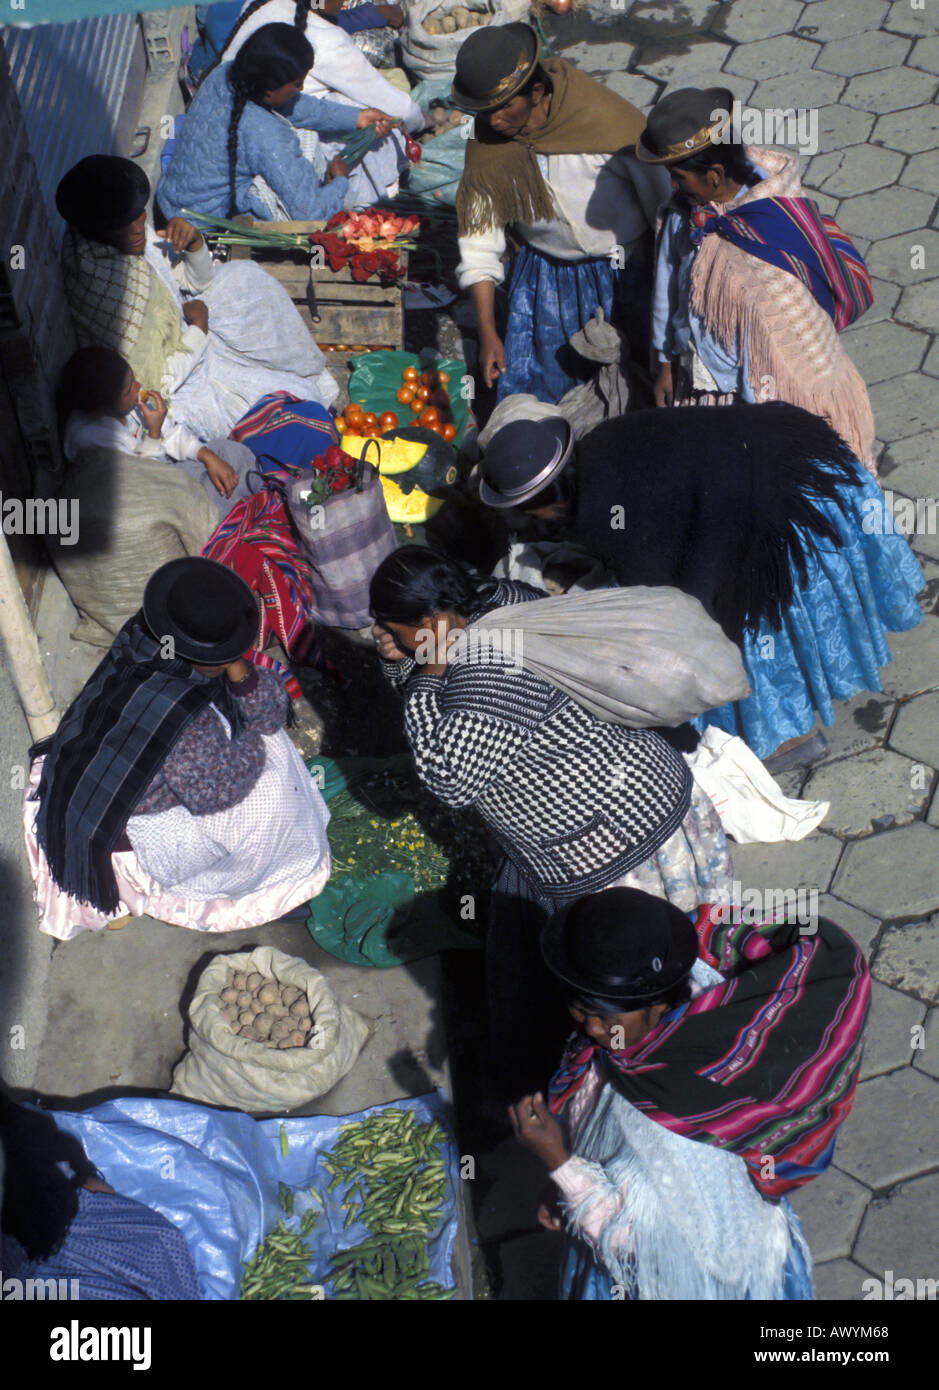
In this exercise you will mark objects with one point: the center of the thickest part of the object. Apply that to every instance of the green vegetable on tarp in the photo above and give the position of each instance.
(376, 377)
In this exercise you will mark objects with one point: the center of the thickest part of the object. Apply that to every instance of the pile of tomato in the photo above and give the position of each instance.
(426, 396)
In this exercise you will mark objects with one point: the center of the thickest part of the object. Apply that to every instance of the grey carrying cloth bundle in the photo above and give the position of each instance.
(641, 657)
(345, 538)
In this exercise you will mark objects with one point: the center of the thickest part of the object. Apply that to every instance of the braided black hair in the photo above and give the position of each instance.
(300, 16)
(275, 55)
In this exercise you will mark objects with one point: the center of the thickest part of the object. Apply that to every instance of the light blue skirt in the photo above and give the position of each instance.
(833, 639)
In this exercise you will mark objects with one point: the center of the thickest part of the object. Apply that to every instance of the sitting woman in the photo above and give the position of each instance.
(170, 788)
(699, 1089)
(102, 406)
(575, 804)
(233, 338)
(238, 150)
(341, 73)
(750, 290)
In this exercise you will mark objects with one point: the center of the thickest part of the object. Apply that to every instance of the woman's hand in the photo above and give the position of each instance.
(664, 387)
(181, 235)
(388, 648)
(237, 671)
(196, 312)
(491, 358)
(154, 410)
(379, 119)
(537, 1130)
(337, 168)
(224, 478)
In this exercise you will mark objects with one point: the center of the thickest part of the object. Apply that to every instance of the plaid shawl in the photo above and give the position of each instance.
(765, 1064)
(793, 234)
(112, 739)
(257, 541)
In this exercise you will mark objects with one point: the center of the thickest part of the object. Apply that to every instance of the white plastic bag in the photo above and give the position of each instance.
(749, 802)
(223, 1069)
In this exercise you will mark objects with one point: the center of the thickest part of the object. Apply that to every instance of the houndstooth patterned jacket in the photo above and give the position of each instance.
(575, 802)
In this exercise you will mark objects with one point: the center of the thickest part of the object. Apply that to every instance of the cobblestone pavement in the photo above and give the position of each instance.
(871, 70)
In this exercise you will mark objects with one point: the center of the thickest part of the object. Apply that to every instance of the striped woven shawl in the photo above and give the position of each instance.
(765, 1064)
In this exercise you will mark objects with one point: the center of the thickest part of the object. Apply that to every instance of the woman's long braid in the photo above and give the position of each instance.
(300, 16)
(240, 99)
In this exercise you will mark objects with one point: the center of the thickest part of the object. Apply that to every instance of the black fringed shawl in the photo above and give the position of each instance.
(113, 738)
(722, 502)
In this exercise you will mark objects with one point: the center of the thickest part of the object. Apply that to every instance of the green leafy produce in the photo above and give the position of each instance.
(280, 1267)
(385, 1267)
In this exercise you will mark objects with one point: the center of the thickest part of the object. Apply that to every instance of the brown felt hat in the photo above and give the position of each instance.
(683, 123)
(493, 65)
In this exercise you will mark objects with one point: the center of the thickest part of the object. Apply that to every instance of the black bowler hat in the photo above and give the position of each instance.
(622, 945)
(206, 608)
(101, 193)
(522, 458)
(683, 123)
(492, 65)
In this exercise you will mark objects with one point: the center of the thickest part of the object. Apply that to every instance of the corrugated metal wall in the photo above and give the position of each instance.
(72, 85)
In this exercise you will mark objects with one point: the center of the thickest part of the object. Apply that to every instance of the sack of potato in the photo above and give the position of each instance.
(266, 1033)
(434, 30)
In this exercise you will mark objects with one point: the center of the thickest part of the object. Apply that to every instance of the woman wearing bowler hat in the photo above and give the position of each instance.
(551, 159)
(170, 788)
(712, 1067)
(752, 286)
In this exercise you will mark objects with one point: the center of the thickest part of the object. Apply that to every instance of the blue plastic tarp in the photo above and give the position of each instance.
(215, 1175)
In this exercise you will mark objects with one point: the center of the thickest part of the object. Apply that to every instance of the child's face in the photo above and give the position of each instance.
(130, 395)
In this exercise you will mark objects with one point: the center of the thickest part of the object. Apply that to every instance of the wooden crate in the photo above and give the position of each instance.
(370, 314)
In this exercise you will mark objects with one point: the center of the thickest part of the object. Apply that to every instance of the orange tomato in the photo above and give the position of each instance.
(405, 394)
(430, 416)
(449, 432)
(370, 418)
(410, 374)
(354, 414)
(423, 393)
(429, 377)
(388, 420)
(340, 424)
(443, 378)
(370, 431)
(415, 407)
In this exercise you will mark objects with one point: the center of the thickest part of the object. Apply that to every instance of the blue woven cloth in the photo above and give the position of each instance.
(833, 640)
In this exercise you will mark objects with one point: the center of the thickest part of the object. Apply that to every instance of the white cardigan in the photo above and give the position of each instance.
(603, 201)
(341, 71)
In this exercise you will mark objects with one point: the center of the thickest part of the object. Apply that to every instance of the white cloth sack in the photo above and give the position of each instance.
(434, 55)
(223, 1069)
(749, 802)
(635, 656)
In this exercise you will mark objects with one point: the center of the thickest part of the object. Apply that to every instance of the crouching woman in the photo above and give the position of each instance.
(170, 788)
(710, 1072)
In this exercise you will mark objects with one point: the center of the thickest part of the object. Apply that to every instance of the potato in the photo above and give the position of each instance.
(297, 1039)
(248, 1033)
(229, 996)
(281, 1028)
(262, 1025)
(290, 994)
(246, 1018)
(277, 1010)
(240, 980)
(298, 1009)
(254, 982)
(448, 24)
(269, 993)
(304, 1023)
(243, 999)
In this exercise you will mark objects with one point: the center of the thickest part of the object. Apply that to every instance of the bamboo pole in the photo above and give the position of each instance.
(19, 639)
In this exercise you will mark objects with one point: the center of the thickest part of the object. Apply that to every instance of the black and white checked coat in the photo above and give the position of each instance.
(575, 802)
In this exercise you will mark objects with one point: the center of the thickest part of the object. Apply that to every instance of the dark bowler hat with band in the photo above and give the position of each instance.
(521, 460)
(621, 945)
(207, 609)
(493, 65)
(102, 193)
(683, 123)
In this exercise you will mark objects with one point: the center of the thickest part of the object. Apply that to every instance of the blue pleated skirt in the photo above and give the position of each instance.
(833, 639)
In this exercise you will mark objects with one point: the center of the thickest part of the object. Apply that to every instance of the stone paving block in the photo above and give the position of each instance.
(914, 515)
(890, 89)
(891, 1131)
(885, 299)
(904, 406)
(925, 54)
(886, 212)
(863, 169)
(859, 723)
(839, 126)
(890, 875)
(830, 1209)
(807, 88)
(770, 57)
(757, 19)
(855, 922)
(662, 62)
(820, 168)
(888, 1043)
(916, 730)
(911, 131)
(839, 19)
(862, 53)
(904, 19)
(839, 1281)
(915, 665)
(899, 1233)
(908, 954)
(926, 1058)
(655, 22)
(912, 465)
(903, 259)
(639, 90)
(933, 817)
(883, 350)
(931, 364)
(870, 791)
(928, 598)
(600, 57)
(806, 864)
(919, 304)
